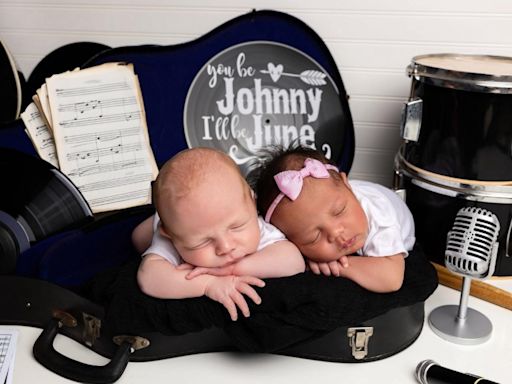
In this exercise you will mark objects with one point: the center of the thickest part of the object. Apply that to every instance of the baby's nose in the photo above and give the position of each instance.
(224, 246)
(336, 234)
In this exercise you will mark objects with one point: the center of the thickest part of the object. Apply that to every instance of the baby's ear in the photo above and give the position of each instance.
(345, 180)
(253, 196)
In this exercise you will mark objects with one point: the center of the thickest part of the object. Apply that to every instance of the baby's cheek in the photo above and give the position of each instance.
(253, 241)
(362, 241)
(319, 255)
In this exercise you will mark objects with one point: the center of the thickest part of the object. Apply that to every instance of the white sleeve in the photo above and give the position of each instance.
(162, 246)
(385, 235)
(385, 241)
(268, 234)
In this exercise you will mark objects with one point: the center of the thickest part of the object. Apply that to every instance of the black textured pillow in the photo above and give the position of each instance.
(292, 310)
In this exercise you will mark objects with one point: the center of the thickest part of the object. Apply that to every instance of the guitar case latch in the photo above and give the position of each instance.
(358, 340)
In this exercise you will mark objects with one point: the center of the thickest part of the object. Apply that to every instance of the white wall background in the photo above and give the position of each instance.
(372, 42)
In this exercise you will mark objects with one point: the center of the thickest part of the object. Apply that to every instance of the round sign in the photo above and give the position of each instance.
(258, 94)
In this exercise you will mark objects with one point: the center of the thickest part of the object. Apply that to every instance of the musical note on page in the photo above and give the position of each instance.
(101, 136)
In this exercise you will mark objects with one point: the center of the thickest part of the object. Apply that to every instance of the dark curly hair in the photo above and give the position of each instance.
(275, 160)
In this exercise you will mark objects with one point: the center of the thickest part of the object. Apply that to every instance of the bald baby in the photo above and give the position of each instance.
(206, 237)
(194, 175)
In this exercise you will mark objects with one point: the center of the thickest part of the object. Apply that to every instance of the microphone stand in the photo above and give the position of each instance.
(464, 298)
(461, 324)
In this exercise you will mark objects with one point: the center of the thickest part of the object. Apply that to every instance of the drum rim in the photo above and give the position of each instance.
(449, 78)
(474, 190)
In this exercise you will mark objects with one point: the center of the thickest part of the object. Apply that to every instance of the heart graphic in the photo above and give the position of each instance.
(275, 71)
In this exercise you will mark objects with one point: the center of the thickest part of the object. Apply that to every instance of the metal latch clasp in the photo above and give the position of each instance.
(358, 340)
(136, 342)
(91, 331)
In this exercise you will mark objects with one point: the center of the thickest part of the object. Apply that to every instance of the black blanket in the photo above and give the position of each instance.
(293, 309)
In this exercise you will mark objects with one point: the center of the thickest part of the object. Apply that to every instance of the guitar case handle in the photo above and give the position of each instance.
(46, 355)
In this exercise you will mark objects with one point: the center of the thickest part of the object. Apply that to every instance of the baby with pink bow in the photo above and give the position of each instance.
(207, 238)
(334, 221)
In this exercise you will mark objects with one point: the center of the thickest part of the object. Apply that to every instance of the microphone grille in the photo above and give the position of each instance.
(471, 242)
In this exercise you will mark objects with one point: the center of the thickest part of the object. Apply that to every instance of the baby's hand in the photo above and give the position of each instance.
(343, 260)
(331, 268)
(185, 266)
(229, 291)
(216, 271)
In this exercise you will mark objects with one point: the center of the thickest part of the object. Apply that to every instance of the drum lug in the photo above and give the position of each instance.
(398, 177)
(507, 243)
(411, 119)
(401, 193)
(358, 339)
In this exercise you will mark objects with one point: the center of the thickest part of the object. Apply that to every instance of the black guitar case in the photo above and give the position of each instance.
(262, 78)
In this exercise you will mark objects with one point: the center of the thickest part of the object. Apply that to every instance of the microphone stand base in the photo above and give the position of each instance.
(476, 328)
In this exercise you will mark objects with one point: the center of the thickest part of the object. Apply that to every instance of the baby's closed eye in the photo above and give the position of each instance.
(199, 245)
(312, 238)
(238, 226)
(339, 211)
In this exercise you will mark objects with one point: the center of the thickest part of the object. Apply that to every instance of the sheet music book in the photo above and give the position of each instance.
(41, 136)
(42, 102)
(97, 121)
(8, 339)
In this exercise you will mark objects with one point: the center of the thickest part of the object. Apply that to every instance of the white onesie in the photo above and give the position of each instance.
(391, 225)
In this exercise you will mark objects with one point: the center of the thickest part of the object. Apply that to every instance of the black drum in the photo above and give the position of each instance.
(457, 150)
(36, 201)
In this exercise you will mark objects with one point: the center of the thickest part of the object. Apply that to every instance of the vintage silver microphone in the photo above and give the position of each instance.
(471, 250)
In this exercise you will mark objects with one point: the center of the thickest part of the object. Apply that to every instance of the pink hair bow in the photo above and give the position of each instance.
(290, 182)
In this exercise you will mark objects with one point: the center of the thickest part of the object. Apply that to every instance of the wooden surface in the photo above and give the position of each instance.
(479, 288)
